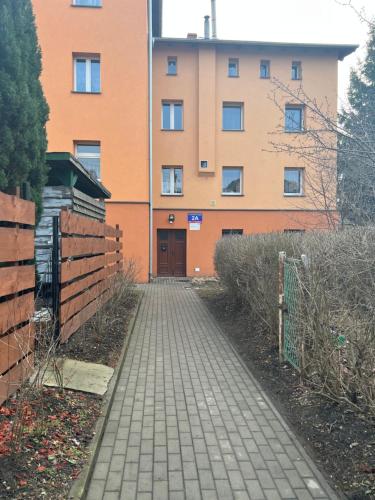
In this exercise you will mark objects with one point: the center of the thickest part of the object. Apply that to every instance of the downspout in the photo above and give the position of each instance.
(150, 138)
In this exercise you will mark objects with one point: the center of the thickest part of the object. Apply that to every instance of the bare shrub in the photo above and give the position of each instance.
(336, 314)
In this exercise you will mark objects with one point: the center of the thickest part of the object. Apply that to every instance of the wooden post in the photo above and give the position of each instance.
(282, 257)
(117, 241)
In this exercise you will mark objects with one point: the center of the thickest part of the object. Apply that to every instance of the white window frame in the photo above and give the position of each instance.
(172, 104)
(241, 181)
(89, 155)
(236, 61)
(267, 64)
(88, 60)
(240, 105)
(302, 179)
(298, 64)
(171, 180)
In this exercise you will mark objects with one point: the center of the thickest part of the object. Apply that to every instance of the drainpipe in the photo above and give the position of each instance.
(150, 142)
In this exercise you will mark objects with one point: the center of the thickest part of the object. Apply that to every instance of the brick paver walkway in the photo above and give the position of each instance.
(189, 421)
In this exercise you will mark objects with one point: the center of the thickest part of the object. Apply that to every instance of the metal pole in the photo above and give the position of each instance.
(55, 277)
(282, 257)
(213, 18)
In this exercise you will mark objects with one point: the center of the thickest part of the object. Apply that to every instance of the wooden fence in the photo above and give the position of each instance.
(90, 258)
(17, 283)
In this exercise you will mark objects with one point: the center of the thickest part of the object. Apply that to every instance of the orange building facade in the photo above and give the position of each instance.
(206, 112)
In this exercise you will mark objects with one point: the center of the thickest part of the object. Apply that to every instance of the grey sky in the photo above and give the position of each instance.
(319, 21)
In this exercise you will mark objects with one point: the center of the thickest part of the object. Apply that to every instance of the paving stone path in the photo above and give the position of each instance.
(190, 422)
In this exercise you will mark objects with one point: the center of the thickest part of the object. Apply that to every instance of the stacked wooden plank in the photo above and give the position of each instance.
(91, 258)
(17, 283)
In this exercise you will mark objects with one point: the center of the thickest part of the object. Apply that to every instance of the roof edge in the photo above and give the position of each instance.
(343, 50)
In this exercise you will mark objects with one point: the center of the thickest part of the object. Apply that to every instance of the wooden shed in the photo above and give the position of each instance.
(70, 186)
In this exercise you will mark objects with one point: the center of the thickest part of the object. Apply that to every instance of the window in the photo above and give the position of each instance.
(232, 181)
(294, 231)
(232, 232)
(89, 155)
(87, 74)
(296, 70)
(172, 66)
(293, 180)
(171, 180)
(172, 115)
(88, 3)
(232, 116)
(233, 67)
(293, 118)
(265, 69)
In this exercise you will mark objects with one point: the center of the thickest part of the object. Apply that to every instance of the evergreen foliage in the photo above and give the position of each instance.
(357, 144)
(23, 108)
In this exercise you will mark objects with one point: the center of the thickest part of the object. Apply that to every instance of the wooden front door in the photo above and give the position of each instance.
(172, 252)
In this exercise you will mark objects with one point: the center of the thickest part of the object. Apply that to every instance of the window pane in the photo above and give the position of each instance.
(166, 181)
(166, 116)
(293, 119)
(178, 116)
(232, 232)
(95, 76)
(178, 181)
(233, 68)
(264, 69)
(232, 117)
(80, 75)
(88, 148)
(292, 181)
(172, 67)
(231, 180)
(91, 164)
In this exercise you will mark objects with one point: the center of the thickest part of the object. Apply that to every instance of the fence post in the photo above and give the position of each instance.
(117, 241)
(305, 263)
(56, 276)
(282, 257)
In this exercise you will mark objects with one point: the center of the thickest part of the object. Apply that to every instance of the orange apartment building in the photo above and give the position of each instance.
(178, 129)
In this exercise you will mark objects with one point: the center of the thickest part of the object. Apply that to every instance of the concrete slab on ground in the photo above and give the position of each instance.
(78, 376)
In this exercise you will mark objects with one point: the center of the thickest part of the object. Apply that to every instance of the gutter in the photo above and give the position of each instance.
(150, 138)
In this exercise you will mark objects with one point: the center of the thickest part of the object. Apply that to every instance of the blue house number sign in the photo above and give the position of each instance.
(195, 218)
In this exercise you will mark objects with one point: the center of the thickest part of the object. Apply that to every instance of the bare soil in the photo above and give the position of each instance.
(341, 442)
(44, 433)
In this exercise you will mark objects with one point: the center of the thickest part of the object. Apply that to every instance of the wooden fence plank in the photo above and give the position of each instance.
(16, 346)
(16, 311)
(16, 244)
(109, 231)
(13, 209)
(16, 279)
(74, 224)
(75, 247)
(79, 319)
(113, 257)
(113, 246)
(75, 305)
(73, 269)
(15, 377)
(81, 285)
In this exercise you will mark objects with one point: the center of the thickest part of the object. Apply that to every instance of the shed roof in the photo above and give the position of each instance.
(66, 170)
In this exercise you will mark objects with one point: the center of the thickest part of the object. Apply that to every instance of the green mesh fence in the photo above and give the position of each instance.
(291, 297)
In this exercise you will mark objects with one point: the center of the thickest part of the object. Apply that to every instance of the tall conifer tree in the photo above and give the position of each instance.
(357, 144)
(23, 108)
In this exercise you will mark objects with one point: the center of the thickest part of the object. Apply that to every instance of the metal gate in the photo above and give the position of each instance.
(291, 344)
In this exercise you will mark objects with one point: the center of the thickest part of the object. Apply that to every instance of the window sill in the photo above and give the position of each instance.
(90, 93)
(265, 78)
(172, 130)
(233, 76)
(172, 194)
(233, 130)
(294, 131)
(87, 6)
(296, 79)
(170, 74)
(294, 195)
(232, 194)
